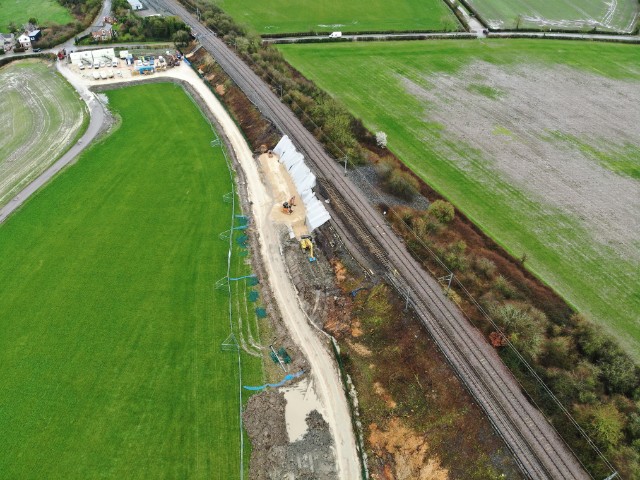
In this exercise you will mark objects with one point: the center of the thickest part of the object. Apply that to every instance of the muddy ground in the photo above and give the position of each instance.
(532, 124)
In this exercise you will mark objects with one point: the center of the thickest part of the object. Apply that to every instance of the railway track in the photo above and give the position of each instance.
(536, 446)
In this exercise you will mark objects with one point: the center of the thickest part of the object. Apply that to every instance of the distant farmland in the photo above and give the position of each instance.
(20, 11)
(615, 15)
(42, 116)
(110, 351)
(278, 16)
(537, 142)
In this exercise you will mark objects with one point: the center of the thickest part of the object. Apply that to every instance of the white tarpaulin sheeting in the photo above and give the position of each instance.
(304, 180)
(91, 56)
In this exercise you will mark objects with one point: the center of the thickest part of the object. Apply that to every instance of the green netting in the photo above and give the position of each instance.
(252, 281)
(282, 353)
(253, 295)
(242, 240)
(261, 312)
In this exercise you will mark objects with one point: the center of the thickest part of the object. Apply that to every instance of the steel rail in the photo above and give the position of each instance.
(539, 450)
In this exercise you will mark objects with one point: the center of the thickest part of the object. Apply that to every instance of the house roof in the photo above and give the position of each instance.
(34, 33)
(7, 36)
(23, 38)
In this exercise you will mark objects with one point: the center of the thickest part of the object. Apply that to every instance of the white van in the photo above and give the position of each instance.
(335, 35)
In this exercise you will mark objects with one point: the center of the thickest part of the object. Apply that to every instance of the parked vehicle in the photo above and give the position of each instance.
(103, 75)
(110, 74)
(101, 63)
(81, 66)
(96, 64)
(114, 62)
(335, 35)
(96, 76)
(36, 50)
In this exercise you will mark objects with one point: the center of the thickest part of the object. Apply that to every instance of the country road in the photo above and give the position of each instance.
(537, 447)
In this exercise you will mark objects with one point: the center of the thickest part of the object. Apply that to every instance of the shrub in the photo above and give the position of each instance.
(484, 267)
(455, 257)
(384, 170)
(619, 373)
(523, 324)
(504, 287)
(402, 184)
(442, 210)
(604, 423)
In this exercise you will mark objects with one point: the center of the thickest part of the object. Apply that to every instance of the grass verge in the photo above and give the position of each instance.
(595, 280)
(110, 353)
(280, 16)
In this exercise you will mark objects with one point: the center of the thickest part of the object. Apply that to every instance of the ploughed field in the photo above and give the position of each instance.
(602, 15)
(281, 16)
(110, 351)
(20, 11)
(41, 116)
(537, 142)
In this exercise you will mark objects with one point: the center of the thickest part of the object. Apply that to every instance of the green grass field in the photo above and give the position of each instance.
(619, 15)
(281, 16)
(46, 118)
(110, 337)
(20, 11)
(560, 250)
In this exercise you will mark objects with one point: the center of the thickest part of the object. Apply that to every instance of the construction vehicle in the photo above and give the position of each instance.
(306, 243)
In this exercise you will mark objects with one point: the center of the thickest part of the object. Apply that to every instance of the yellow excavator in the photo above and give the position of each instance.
(306, 243)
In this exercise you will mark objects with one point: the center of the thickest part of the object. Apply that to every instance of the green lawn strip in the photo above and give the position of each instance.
(110, 346)
(281, 16)
(20, 11)
(559, 250)
(558, 15)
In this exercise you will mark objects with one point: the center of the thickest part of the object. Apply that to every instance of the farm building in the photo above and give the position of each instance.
(135, 4)
(34, 35)
(103, 33)
(24, 41)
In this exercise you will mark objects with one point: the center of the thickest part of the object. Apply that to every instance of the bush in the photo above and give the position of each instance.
(523, 325)
(619, 373)
(604, 423)
(442, 210)
(402, 184)
(484, 267)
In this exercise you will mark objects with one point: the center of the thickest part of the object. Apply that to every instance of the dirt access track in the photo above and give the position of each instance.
(324, 375)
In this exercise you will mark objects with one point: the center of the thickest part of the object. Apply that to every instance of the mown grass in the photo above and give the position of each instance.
(561, 14)
(110, 347)
(34, 95)
(20, 11)
(278, 16)
(592, 277)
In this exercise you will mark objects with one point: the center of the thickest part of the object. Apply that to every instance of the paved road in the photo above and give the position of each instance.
(536, 446)
(96, 124)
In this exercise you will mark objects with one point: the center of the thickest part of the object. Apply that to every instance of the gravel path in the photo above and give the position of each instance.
(324, 372)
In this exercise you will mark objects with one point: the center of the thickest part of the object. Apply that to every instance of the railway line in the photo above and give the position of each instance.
(536, 446)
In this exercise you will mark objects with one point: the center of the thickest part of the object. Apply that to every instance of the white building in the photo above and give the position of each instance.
(135, 4)
(90, 56)
(24, 41)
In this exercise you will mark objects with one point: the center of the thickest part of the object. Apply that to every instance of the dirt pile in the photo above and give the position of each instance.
(273, 457)
(410, 452)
